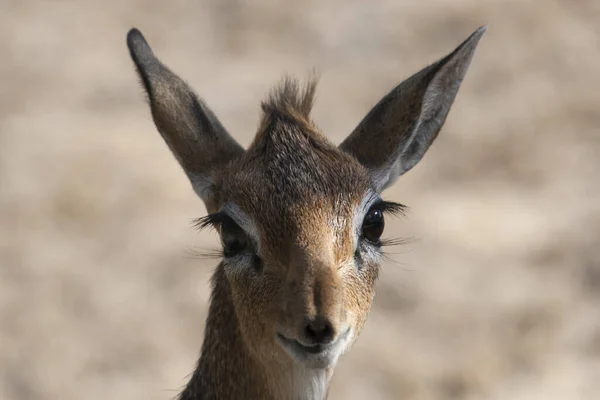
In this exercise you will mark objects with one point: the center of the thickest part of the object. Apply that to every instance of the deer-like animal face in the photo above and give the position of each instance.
(300, 224)
(300, 219)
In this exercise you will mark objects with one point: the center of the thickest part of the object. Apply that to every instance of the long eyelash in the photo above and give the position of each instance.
(397, 241)
(399, 264)
(386, 256)
(205, 254)
(210, 220)
(392, 208)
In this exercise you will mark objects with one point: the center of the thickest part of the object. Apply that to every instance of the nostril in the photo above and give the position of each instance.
(319, 331)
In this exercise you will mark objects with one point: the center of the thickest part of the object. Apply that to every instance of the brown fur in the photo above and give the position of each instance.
(301, 199)
(289, 163)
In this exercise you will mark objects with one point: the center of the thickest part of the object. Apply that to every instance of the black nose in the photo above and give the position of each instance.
(318, 331)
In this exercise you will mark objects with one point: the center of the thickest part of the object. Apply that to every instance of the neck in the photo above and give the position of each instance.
(228, 370)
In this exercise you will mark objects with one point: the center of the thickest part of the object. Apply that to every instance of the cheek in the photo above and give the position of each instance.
(256, 298)
(359, 292)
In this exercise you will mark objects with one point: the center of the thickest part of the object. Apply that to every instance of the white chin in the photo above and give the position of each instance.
(316, 357)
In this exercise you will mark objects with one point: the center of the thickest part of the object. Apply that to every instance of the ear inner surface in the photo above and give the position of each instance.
(397, 132)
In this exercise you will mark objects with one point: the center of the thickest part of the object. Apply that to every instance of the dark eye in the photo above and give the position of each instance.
(233, 238)
(373, 225)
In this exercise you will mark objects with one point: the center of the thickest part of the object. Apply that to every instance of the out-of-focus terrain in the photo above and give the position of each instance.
(100, 295)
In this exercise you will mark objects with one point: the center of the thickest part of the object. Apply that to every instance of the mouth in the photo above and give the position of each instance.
(315, 356)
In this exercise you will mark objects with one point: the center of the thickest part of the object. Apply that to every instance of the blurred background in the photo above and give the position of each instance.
(100, 293)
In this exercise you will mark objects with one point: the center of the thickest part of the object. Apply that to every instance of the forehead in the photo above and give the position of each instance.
(292, 176)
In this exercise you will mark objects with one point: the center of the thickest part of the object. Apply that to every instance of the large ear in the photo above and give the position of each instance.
(397, 132)
(191, 130)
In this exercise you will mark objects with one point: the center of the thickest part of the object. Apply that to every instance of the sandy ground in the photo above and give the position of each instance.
(100, 295)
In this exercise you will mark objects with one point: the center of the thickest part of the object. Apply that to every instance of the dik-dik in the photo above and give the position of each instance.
(300, 221)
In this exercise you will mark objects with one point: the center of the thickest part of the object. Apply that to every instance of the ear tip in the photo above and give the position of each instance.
(137, 43)
(470, 44)
(134, 36)
(475, 36)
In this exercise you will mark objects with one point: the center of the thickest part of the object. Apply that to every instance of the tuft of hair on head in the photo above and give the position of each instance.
(291, 99)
